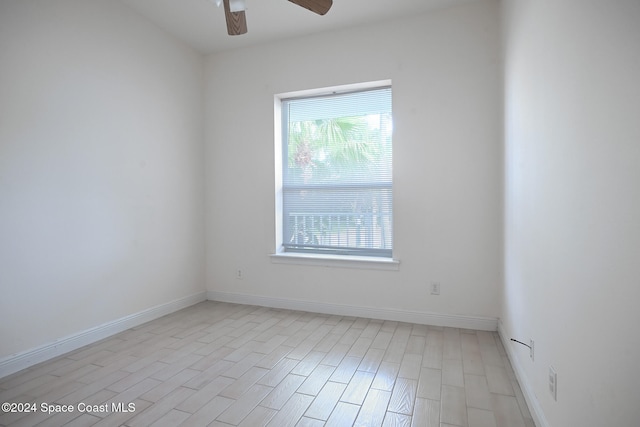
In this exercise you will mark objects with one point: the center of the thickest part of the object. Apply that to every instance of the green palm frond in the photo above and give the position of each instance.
(342, 143)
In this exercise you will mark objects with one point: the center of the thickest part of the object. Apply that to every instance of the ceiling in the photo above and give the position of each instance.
(200, 24)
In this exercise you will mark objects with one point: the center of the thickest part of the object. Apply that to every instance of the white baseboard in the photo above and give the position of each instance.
(454, 321)
(532, 401)
(20, 361)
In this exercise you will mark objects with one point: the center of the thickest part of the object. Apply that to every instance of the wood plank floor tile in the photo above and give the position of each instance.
(26, 387)
(343, 325)
(435, 337)
(346, 369)
(83, 392)
(268, 346)
(481, 418)
(395, 351)
(314, 382)
(371, 360)
(309, 422)
(259, 417)
(453, 409)
(410, 366)
(361, 323)
(309, 363)
(83, 420)
(429, 383)
(358, 387)
(242, 384)
(241, 367)
(54, 385)
(279, 372)
(360, 347)
(216, 346)
(222, 364)
(171, 419)
(452, 348)
(452, 372)
(498, 380)
(472, 363)
(419, 330)
(506, 411)
(426, 413)
(243, 406)
(389, 326)
(432, 357)
(416, 343)
(391, 419)
(372, 329)
(154, 412)
(201, 397)
(336, 354)
(382, 340)
(143, 362)
(350, 337)
(292, 411)
(327, 342)
(477, 392)
(132, 393)
(169, 385)
(283, 391)
(373, 409)
(132, 379)
(326, 400)
(386, 376)
(208, 412)
(205, 377)
(344, 414)
(59, 419)
(491, 356)
(14, 380)
(469, 342)
(403, 396)
(272, 358)
(173, 368)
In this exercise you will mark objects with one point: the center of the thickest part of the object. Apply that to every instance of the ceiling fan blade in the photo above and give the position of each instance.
(318, 6)
(236, 21)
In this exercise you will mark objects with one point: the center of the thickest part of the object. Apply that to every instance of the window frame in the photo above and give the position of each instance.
(334, 257)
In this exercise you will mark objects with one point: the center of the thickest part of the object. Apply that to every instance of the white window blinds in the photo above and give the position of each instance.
(337, 174)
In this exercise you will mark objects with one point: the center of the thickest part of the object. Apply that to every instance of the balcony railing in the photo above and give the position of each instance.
(338, 232)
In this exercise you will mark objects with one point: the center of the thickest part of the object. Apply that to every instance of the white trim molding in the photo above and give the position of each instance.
(537, 413)
(20, 361)
(425, 318)
(367, 263)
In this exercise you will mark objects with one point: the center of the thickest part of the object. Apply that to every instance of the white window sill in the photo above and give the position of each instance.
(340, 261)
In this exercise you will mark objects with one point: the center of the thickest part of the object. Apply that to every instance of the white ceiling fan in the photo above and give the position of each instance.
(234, 11)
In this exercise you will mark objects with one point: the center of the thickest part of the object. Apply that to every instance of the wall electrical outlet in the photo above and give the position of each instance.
(553, 383)
(239, 275)
(435, 288)
(531, 347)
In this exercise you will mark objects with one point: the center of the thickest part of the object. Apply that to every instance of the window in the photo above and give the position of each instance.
(336, 183)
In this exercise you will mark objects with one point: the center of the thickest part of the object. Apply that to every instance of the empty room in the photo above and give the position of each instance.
(320, 213)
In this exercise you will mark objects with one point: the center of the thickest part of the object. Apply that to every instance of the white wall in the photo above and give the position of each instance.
(445, 70)
(101, 171)
(572, 198)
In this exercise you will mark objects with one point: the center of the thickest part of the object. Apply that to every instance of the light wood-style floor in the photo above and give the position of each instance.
(222, 364)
